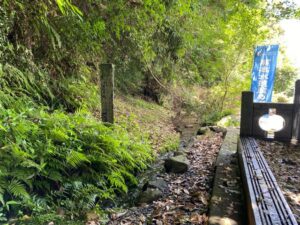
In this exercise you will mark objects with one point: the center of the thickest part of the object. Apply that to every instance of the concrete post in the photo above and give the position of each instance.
(107, 92)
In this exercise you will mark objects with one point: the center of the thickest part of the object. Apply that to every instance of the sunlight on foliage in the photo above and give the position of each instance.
(190, 56)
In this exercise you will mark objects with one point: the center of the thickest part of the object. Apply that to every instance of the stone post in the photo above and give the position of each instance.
(107, 92)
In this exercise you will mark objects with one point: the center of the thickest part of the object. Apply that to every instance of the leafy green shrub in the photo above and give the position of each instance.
(229, 121)
(73, 93)
(68, 93)
(215, 116)
(16, 83)
(45, 219)
(52, 160)
(282, 99)
(170, 144)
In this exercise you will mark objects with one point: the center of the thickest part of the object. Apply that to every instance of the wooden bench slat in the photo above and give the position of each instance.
(265, 201)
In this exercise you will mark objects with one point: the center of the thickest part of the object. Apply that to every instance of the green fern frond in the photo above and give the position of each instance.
(75, 158)
(55, 176)
(117, 180)
(17, 189)
(31, 164)
(129, 176)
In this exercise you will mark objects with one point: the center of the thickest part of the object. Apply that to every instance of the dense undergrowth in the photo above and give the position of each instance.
(58, 160)
(54, 160)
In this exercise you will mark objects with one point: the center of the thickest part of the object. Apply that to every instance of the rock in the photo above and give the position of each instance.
(177, 164)
(150, 195)
(92, 216)
(177, 153)
(218, 129)
(289, 162)
(108, 203)
(192, 139)
(91, 223)
(202, 130)
(152, 190)
(182, 144)
(225, 121)
(158, 183)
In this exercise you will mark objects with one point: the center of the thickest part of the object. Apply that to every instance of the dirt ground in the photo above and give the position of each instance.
(284, 161)
(189, 193)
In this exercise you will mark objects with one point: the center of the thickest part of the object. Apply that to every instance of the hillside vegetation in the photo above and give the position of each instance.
(57, 157)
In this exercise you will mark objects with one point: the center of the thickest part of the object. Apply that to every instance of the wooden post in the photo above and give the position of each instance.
(296, 123)
(107, 92)
(246, 113)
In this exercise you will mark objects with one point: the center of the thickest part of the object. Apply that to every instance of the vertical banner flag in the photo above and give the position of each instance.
(263, 72)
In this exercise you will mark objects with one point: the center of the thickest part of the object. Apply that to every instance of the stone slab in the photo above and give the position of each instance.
(227, 205)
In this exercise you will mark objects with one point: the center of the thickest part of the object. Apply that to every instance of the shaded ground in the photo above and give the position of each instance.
(227, 202)
(154, 121)
(187, 199)
(284, 161)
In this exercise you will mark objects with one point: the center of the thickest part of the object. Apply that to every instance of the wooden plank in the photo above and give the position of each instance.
(278, 106)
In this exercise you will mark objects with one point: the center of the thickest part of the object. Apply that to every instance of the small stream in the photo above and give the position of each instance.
(187, 127)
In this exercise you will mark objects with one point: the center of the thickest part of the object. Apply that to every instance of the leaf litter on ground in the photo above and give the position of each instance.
(189, 193)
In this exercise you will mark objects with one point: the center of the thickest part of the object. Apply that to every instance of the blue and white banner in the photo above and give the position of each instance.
(263, 72)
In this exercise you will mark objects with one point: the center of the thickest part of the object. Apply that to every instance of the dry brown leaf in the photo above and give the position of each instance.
(196, 218)
(186, 191)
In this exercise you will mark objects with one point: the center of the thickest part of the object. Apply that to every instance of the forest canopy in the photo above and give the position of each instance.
(153, 43)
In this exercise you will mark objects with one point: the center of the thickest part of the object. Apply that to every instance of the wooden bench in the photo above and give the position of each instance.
(266, 204)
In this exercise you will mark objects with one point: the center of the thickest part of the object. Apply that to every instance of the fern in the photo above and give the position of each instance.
(117, 180)
(58, 159)
(75, 158)
(17, 189)
(31, 164)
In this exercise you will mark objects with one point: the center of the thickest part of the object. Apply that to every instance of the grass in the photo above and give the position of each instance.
(154, 120)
